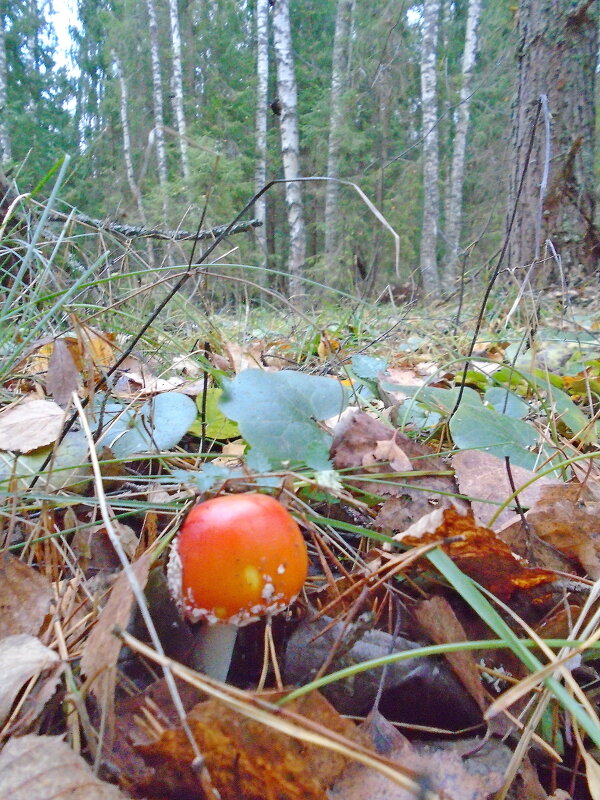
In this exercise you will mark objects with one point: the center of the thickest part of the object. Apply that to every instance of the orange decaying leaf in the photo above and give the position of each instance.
(478, 552)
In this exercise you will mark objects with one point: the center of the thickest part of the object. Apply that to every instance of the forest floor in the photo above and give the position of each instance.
(447, 486)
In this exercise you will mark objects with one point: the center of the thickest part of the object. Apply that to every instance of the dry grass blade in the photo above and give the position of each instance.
(529, 683)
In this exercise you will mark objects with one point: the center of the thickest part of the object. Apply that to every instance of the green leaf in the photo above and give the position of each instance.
(368, 367)
(158, 425)
(564, 408)
(205, 478)
(506, 402)
(217, 426)
(480, 428)
(440, 400)
(278, 414)
(68, 469)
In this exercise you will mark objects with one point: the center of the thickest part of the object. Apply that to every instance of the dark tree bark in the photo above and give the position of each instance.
(557, 51)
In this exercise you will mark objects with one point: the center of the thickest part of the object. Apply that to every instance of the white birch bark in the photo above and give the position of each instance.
(133, 185)
(178, 88)
(290, 149)
(431, 198)
(262, 89)
(123, 111)
(455, 193)
(338, 82)
(157, 97)
(5, 148)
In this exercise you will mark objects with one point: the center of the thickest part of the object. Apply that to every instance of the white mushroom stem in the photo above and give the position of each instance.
(213, 649)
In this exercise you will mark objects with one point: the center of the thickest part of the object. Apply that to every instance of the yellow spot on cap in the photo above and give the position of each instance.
(251, 577)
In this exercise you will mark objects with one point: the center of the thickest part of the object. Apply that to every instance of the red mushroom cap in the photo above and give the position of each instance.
(237, 558)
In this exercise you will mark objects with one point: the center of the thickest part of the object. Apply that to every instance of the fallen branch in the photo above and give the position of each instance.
(136, 232)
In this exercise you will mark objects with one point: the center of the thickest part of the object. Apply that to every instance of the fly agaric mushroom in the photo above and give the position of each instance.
(237, 558)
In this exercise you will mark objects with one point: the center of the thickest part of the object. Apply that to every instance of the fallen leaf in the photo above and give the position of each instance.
(245, 758)
(42, 767)
(355, 443)
(21, 657)
(63, 377)
(137, 379)
(479, 552)
(440, 765)
(441, 624)
(154, 703)
(29, 425)
(423, 691)
(389, 450)
(86, 346)
(67, 466)
(25, 596)
(92, 346)
(567, 520)
(483, 476)
(102, 648)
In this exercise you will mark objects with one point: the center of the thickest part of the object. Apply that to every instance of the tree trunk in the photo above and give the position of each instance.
(290, 150)
(431, 198)
(262, 106)
(457, 173)
(157, 97)
(556, 57)
(123, 110)
(338, 83)
(5, 149)
(178, 89)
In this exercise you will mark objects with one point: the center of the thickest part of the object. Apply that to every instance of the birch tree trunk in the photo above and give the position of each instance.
(457, 172)
(262, 89)
(431, 198)
(338, 83)
(123, 111)
(5, 149)
(178, 89)
(157, 97)
(557, 54)
(290, 149)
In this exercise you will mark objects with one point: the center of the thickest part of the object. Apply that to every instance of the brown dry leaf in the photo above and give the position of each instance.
(441, 624)
(245, 759)
(137, 378)
(156, 703)
(484, 476)
(92, 346)
(389, 450)
(400, 377)
(25, 597)
(102, 648)
(85, 346)
(440, 765)
(241, 357)
(29, 425)
(21, 657)
(566, 519)
(356, 440)
(479, 553)
(42, 767)
(63, 377)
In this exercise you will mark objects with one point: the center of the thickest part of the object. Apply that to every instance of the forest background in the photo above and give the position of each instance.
(174, 109)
